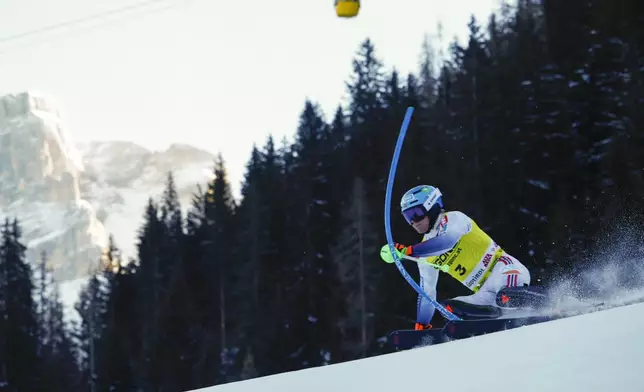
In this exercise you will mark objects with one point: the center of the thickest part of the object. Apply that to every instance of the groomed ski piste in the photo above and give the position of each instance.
(602, 350)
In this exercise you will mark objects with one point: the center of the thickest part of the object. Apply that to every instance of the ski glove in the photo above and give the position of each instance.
(401, 250)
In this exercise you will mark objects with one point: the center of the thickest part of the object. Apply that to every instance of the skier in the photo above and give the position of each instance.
(452, 240)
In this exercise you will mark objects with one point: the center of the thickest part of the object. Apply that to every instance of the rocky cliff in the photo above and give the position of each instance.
(69, 196)
(39, 184)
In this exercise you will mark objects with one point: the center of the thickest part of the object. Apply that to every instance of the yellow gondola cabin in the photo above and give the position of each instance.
(347, 8)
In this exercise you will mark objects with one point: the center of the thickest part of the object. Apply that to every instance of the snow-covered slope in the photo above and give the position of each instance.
(595, 352)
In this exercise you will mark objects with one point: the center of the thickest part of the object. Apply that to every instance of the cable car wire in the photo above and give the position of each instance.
(72, 22)
(97, 16)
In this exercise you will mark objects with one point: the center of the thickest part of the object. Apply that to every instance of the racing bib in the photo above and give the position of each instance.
(471, 259)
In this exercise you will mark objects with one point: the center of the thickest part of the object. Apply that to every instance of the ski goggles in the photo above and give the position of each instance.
(414, 214)
(418, 212)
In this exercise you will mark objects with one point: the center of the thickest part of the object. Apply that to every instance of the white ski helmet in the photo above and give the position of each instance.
(421, 201)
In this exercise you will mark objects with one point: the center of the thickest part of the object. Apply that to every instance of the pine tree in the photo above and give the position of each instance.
(270, 335)
(309, 192)
(254, 220)
(366, 85)
(366, 89)
(120, 341)
(175, 314)
(56, 349)
(92, 306)
(62, 372)
(355, 249)
(222, 211)
(212, 233)
(19, 326)
(198, 273)
(152, 282)
(428, 84)
(43, 281)
(171, 217)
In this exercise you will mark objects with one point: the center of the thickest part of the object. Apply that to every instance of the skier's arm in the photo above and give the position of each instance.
(437, 245)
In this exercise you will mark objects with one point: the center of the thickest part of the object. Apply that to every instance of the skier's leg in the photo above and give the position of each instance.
(508, 272)
(514, 290)
(482, 297)
(481, 304)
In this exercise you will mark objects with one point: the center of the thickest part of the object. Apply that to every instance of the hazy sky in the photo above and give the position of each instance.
(202, 71)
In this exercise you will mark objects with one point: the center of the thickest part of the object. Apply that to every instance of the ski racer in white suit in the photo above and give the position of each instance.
(453, 239)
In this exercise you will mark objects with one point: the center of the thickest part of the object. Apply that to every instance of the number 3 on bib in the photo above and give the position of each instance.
(460, 269)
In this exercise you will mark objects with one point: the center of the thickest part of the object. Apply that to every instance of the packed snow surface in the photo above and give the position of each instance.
(600, 351)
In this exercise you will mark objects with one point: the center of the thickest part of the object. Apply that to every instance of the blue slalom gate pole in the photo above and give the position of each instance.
(390, 183)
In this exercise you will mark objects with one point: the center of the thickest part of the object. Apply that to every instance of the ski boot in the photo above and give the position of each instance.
(522, 297)
(468, 311)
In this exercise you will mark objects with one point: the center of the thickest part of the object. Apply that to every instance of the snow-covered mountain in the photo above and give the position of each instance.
(69, 196)
(120, 176)
(39, 184)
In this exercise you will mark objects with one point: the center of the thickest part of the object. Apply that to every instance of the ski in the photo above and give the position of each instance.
(459, 329)
(405, 339)
(469, 328)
